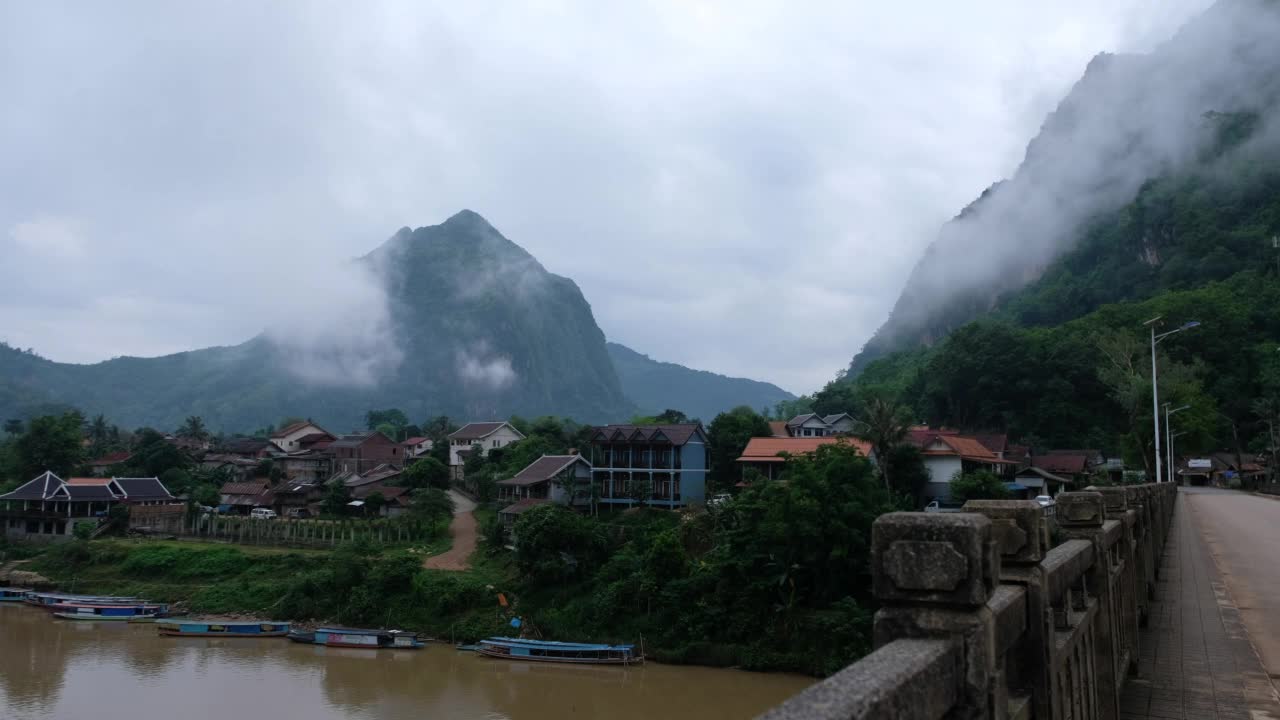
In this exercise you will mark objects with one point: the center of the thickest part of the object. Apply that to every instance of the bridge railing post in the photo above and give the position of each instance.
(933, 574)
(1020, 533)
(1083, 516)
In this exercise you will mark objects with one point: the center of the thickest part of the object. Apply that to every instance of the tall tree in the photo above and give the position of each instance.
(13, 426)
(51, 442)
(729, 434)
(193, 429)
(884, 424)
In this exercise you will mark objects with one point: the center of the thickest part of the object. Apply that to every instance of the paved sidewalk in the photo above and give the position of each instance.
(1195, 660)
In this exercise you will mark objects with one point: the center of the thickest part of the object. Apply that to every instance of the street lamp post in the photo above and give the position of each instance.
(1169, 437)
(1155, 385)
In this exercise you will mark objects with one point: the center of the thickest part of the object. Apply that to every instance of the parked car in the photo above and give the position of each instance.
(263, 514)
(719, 499)
(1048, 505)
(298, 513)
(936, 506)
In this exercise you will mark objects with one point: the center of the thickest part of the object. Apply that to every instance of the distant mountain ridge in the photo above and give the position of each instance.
(657, 386)
(473, 327)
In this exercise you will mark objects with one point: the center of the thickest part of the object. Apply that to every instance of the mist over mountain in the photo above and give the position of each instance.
(448, 319)
(1131, 119)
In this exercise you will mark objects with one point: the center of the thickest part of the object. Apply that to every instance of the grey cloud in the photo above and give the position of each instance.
(767, 173)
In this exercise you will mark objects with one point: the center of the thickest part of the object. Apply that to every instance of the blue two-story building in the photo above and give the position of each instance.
(669, 461)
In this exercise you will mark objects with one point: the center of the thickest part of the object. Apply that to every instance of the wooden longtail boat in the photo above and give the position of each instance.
(13, 594)
(49, 600)
(359, 638)
(558, 652)
(222, 628)
(109, 613)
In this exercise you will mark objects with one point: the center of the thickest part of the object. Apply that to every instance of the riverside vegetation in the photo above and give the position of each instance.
(776, 579)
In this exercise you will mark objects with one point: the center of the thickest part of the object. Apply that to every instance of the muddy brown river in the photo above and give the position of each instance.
(69, 670)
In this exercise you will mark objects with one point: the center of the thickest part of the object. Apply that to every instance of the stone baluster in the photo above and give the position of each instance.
(1083, 516)
(1020, 533)
(934, 574)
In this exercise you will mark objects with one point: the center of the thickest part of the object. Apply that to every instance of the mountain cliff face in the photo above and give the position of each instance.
(659, 386)
(1130, 120)
(470, 326)
(457, 320)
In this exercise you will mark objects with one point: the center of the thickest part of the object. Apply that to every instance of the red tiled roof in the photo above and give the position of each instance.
(414, 441)
(113, 458)
(524, 505)
(921, 435)
(89, 481)
(996, 443)
(1060, 462)
(769, 449)
(966, 447)
(779, 428)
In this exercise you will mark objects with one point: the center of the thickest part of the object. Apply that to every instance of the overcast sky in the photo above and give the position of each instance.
(739, 186)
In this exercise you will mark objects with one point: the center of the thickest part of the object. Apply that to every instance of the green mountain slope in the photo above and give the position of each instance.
(1130, 121)
(657, 386)
(1048, 344)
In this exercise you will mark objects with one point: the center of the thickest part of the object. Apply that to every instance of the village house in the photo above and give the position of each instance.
(360, 452)
(1039, 481)
(306, 466)
(237, 468)
(300, 436)
(298, 498)
(667, 461)
(103, 466)
(1075, 465)
(814, 425)
(416, 447)
(250, 447)
(484, 435)
(768, 455)
(553, 478)
(49, 507)
(242, 497)
(1221, 469)
(947, 454)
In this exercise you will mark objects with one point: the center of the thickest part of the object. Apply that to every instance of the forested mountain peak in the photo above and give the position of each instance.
(1130, 119)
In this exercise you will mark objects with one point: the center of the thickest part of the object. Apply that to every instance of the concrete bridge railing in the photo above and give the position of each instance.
(982, 617)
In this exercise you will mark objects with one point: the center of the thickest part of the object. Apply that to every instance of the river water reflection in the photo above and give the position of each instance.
(67, 670)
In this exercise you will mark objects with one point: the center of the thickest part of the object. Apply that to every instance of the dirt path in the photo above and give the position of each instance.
(464, 532)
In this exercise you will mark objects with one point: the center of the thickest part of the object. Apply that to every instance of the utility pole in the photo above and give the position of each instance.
(1155, 384)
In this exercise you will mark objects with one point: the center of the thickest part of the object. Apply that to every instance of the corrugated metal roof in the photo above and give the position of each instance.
(521, 506)
(479, 430)
(543, 469)
(674, 434)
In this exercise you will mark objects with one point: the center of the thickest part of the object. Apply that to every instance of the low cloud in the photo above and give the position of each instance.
(481, 368)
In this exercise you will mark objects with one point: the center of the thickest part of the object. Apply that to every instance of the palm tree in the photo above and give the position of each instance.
(885, 426)
(99, 432)
(193, 428)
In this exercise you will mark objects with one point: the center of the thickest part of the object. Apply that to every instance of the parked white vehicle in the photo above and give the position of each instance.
(719, 499)
(263, 514)
(1048, 505)
(936, 506)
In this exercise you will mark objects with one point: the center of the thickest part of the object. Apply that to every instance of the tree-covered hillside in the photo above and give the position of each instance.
(656, 386)
(1065, 361)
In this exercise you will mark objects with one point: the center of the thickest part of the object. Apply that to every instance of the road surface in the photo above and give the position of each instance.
(464, 532)
(1243, 534)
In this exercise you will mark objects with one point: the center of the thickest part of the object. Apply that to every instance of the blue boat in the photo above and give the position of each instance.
(49, 600)
(359, 638)
(222, 628)
(138, 612)
(558, 652)
(13, 594)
